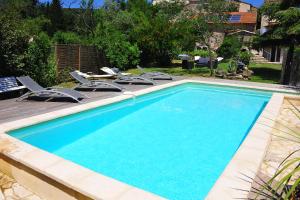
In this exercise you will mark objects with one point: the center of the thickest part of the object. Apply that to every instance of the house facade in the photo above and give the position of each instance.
(244, 6)
(273, 53)
(242, 23)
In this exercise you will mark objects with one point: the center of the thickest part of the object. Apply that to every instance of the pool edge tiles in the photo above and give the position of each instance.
(18, 151)
(9, 126)
(245, 163)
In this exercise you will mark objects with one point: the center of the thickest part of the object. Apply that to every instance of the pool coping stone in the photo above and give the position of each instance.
(246, 160)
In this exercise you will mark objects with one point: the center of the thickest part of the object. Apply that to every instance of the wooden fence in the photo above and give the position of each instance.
(78, 57)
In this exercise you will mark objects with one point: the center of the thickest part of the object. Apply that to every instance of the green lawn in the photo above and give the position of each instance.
(178, 71)
(70, 84)
(266, 73)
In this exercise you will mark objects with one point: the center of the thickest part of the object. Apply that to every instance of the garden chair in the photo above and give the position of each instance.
(49, 93)
(125, 78)
(84, 83)
(93, 76)
(155, 75)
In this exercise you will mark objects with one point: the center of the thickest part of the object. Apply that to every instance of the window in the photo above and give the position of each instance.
(235, 18)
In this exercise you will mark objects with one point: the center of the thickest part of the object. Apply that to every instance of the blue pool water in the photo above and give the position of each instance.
(175, 142)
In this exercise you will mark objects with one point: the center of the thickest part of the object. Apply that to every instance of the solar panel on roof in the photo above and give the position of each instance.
(235, 18)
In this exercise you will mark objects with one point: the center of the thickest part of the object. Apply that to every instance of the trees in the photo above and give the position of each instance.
(155, 33)
(66, 38)
(85, 18)
(111, 36)
(166, 34)
(209, 17)
(160, 32)
(38, 62)
(126, 31)
(118, 50)
(286, 31)
(24, 49)
(230, 47)
(13, 41)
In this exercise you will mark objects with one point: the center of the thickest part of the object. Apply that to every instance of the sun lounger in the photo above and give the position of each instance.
(49, 93)
(110, 71)
(93, 76)
(125, 78)
(93, 85)
(155, 75)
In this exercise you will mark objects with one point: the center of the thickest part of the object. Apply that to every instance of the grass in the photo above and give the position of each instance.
(177, 71)
(70, 84)
(265, 73)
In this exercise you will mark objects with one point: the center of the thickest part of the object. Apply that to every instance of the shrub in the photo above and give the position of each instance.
(39, 62)
(13, 43)
(66, 38)
(122, 54)
(202, 53)
(33, 26)
(245, 57)
(117, 49)
(63, 75)
(230, 47)
(232, 66)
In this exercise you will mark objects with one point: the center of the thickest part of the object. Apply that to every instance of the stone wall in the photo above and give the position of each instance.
(10, 189)
(244, 7)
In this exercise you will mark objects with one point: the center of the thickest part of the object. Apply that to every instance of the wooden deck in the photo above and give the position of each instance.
(10, 109)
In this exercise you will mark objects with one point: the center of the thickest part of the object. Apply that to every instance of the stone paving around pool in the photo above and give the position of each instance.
(281, 146)
(287, 124)
(11, 190)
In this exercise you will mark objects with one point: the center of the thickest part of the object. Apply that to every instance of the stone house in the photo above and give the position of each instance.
(241, 23)
(273, 53)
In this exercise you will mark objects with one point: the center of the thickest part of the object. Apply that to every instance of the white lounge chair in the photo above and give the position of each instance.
(154, 75)
(113, 73)
(93, 76)
(49, 93)
(126, 78)
(86, 84)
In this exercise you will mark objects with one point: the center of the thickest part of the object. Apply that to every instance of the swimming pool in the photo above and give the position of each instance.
(175, 142)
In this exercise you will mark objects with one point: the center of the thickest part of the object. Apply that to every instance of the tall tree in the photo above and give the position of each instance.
(286, 31)
(32, 8)
(86, 18)
(56, 16)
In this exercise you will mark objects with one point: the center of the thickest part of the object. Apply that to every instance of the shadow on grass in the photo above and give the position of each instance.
(266, 74)
(185, 72)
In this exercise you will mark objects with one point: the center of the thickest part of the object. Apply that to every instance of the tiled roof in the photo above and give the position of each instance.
(246, 17)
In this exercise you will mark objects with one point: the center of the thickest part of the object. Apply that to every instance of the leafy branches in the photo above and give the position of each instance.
(86, 20)
(24, 48)
(156, 32)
